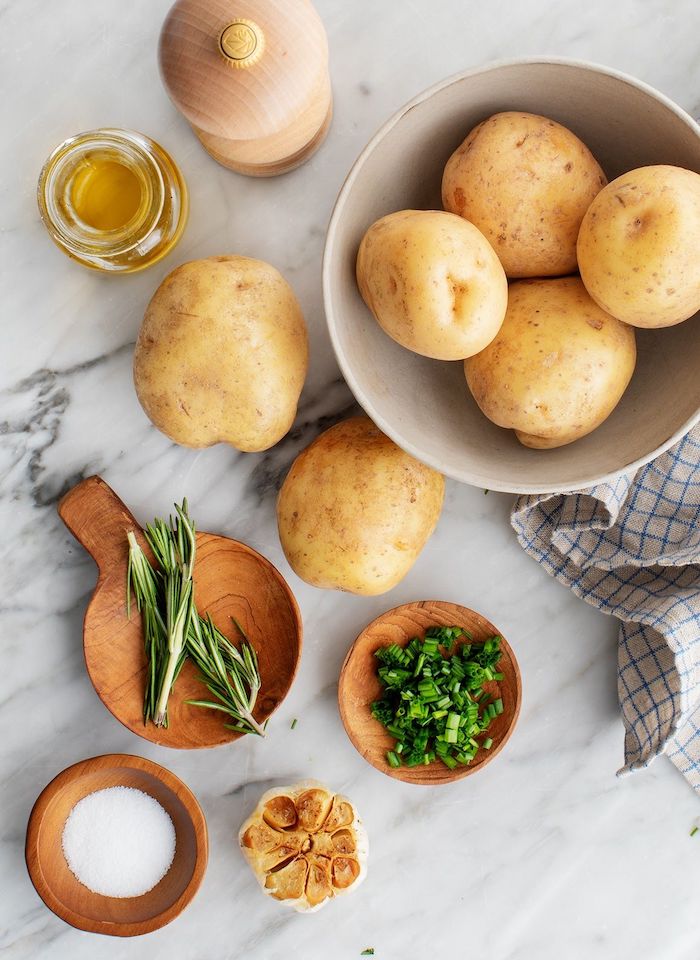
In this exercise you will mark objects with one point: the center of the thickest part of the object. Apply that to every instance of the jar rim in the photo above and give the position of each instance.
(66, 226)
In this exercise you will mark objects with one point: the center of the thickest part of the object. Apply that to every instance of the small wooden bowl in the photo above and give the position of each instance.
(231, 580)
(76, 904)
(359, 686)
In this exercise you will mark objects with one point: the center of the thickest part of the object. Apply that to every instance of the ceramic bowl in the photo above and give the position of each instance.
(424, 405)
(75, 903)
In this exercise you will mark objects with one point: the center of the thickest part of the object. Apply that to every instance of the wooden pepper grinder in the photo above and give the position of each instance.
(251, 77)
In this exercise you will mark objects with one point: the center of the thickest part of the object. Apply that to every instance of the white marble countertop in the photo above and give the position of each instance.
(545, 854)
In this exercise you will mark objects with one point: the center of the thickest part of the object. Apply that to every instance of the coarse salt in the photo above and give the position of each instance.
(119, 842)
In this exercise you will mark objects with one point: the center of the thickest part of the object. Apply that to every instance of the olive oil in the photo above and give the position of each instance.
(105, 193)
(113, 200)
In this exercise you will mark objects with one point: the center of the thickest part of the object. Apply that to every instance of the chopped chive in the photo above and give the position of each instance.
(368, 952)
(694, 831)
(293, 724)
(433, 702)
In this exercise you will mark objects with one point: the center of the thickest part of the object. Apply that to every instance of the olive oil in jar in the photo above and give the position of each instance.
(105, 193)
(113, 200)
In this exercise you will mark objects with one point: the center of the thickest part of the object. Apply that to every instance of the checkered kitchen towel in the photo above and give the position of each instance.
(632, 548)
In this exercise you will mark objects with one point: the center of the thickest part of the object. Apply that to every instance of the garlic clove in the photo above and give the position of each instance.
(313, 806)
(287, 851)
(280, 812)
(289, 882)
(343, 841)
(345, 872)
(261, 837)
(322, 844)
(341, 815)
(318, 882)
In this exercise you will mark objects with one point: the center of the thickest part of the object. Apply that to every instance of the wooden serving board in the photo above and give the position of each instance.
(231, 580)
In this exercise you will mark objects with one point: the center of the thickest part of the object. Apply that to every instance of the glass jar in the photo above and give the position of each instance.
(113, 200)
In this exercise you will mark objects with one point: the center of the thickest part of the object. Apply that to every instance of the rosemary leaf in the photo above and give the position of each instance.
(226, 673)
(209, 704)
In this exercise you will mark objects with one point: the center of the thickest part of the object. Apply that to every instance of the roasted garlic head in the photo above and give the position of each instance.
(305, 845)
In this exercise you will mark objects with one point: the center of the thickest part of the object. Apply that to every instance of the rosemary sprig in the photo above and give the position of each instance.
(231, 676)
(173, 629)
(142, 580)
(165, 600)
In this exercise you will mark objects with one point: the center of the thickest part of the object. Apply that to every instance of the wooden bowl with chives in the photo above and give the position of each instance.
(359, 687)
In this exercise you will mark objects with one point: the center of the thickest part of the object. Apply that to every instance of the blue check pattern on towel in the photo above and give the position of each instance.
(632, 548)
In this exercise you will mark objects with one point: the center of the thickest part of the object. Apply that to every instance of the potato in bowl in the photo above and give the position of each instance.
(526, 182)
(557, 368)
(433, 283)
(637, 246)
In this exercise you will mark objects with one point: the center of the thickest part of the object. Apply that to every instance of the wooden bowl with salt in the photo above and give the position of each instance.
(75, 903)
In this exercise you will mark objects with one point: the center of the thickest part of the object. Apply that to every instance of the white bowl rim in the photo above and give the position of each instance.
(465, 476)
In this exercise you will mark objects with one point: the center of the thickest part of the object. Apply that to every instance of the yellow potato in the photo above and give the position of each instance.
(222, 354)
(433, 283)
(557, 368)
(525, 182)
(638, 246)
(355, 511)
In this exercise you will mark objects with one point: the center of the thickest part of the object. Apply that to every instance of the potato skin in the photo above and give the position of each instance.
(637, 247)
(525, 181)
(355, 511)
(433, 283)
(558, 367)
(222, 354)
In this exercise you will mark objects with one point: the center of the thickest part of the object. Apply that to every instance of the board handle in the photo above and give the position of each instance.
(96, 517)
